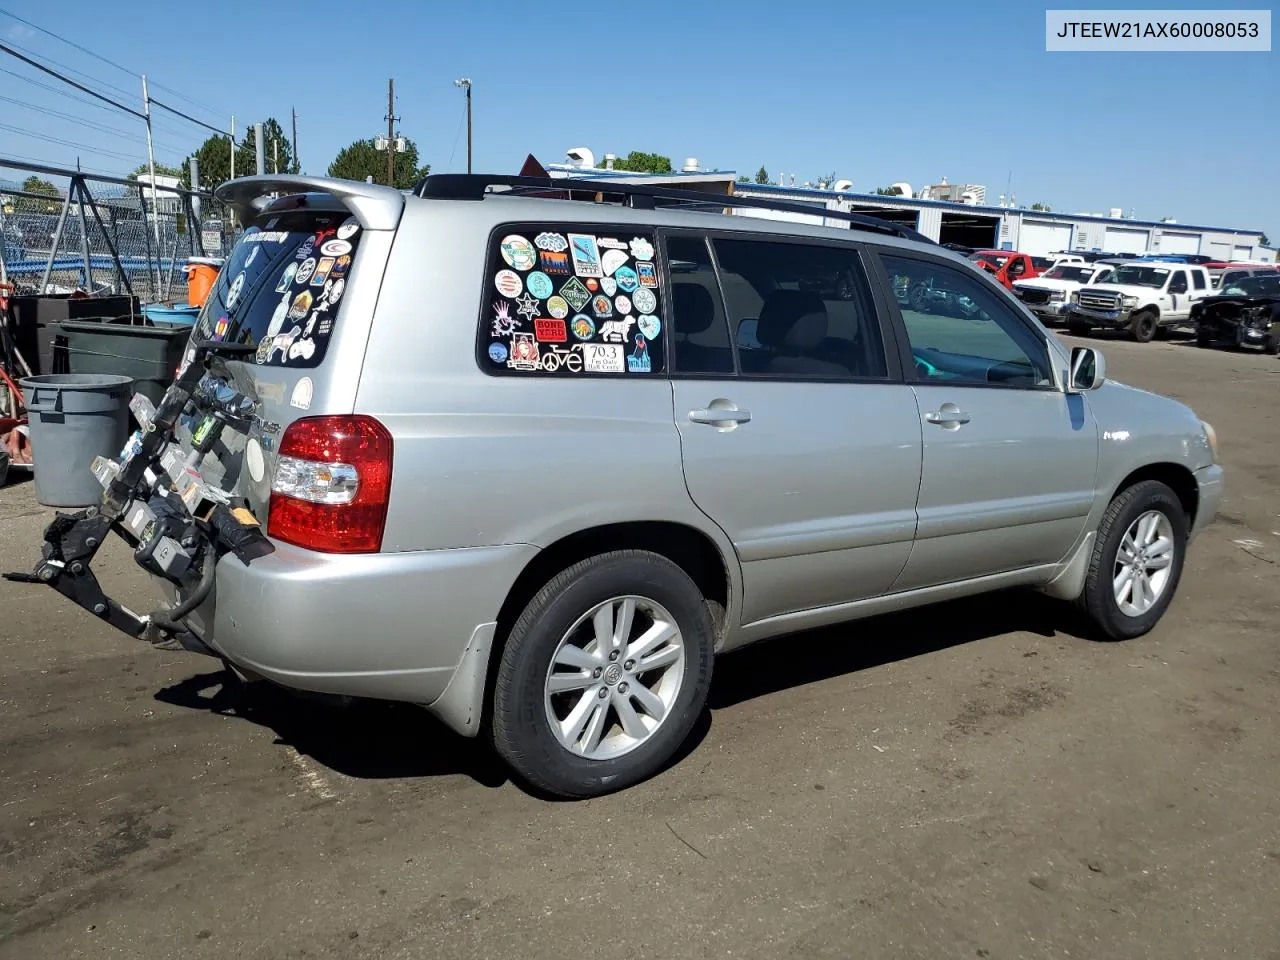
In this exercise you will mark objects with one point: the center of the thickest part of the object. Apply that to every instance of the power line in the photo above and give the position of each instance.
(179, 113)
(94, 125)
(50, 33)
(68, 143)
(111, 63)
(79, 86)
(53, 89)
(70, 69)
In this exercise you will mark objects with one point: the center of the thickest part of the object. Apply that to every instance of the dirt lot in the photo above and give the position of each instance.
(970, 781)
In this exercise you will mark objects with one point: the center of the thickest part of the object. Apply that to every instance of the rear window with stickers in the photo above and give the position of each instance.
(281, 287)
(566, 301)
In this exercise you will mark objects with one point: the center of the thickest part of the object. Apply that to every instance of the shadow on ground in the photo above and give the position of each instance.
(377, 740)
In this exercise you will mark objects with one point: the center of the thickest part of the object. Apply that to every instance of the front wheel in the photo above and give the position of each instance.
(603, 675)
(1136, 562)
(1203, 339)
(1077, 329)
(1272, 346)
(1143, 325)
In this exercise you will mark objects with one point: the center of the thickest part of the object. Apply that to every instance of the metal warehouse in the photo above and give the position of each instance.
(971, 225)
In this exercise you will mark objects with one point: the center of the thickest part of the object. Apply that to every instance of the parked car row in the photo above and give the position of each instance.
(1225, 304)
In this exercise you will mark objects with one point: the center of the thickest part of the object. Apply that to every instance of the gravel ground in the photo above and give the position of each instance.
(973, 780)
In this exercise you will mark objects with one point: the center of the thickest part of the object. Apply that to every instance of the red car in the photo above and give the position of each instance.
(1009, 265)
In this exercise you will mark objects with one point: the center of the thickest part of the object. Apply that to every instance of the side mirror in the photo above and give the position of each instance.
(1088, 370)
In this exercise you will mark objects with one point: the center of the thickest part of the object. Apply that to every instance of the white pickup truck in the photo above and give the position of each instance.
(1141, 297)
(1048, 296)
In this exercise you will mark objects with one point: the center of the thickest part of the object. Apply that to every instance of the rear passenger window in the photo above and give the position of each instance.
(800, 311)
(570, 300)
(699, 334)
(1197, 278)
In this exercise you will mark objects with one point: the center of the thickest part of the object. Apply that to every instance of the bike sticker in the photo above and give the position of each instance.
(648, 275)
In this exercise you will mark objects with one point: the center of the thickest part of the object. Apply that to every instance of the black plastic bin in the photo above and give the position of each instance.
(149, 355)
(35, 319)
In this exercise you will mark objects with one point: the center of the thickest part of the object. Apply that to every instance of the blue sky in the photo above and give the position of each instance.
(874, 92)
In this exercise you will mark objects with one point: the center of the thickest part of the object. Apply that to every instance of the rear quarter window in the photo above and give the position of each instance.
(572, 301)
(281, 287)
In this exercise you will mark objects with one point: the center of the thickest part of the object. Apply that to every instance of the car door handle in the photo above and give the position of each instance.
(949, 415)
(720, 416)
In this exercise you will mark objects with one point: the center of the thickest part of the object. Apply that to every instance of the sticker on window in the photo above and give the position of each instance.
(278, 292)
(567, 301)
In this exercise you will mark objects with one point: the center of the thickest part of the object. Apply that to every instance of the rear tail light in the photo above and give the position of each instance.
(332, 484)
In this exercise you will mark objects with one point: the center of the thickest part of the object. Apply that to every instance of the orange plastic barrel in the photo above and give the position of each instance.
(201, 273)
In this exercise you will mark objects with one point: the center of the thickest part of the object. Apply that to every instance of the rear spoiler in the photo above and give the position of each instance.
(374, 207)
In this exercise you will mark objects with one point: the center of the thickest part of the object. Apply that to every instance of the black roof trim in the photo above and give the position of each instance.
(463, 186)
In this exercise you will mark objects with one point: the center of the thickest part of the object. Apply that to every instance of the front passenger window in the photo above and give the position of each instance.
(961, 331)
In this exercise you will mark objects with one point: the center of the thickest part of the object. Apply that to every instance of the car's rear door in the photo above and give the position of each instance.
(799, 438)
(1009, 460)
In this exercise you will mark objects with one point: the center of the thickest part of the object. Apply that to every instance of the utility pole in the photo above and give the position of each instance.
(151, 169)
(296, 161)
(391, 133)
(275, 154)
(466, 85)
(258, 147)
(233, 146)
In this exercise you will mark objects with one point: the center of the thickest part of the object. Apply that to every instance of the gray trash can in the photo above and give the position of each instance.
(74, 418)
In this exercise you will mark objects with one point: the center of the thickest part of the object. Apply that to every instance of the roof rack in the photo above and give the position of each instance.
(465, 186)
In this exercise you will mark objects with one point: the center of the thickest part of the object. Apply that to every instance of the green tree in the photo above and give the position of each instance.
(162, 170)
(886, 192)
(1265, 241)
(32, 205)
(214, 156)
(762, 175)
(362, 159)
(274, 143)
(1042, 206)
(639, 162)
(743, 178)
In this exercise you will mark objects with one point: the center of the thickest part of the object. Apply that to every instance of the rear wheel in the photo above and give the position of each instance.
(603, 675)
(1143, 325)
(1203, 339)
(1077, 329)
(1136, 562)
(1272, 346)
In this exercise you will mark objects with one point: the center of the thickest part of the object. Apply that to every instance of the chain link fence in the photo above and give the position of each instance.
(105, 235)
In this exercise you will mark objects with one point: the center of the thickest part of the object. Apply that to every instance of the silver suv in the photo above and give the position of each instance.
(532, 459)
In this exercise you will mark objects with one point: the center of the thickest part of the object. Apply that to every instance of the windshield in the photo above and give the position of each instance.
(1136, 276)
(1065, 272)
(997, 258)
(279, 289)
(1252, 287)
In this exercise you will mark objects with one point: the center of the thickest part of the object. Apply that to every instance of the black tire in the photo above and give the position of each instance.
(1097, 600)
(1143, 325)
(522, 734)
(1077, 329)
(1272, 346)
(1203, 339)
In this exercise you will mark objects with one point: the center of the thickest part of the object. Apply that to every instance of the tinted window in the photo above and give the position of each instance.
(1197, 277)
(567, 301)
(699, 333)
(1178, 283)
(800, 311)
(280, 288)
(961, 331)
